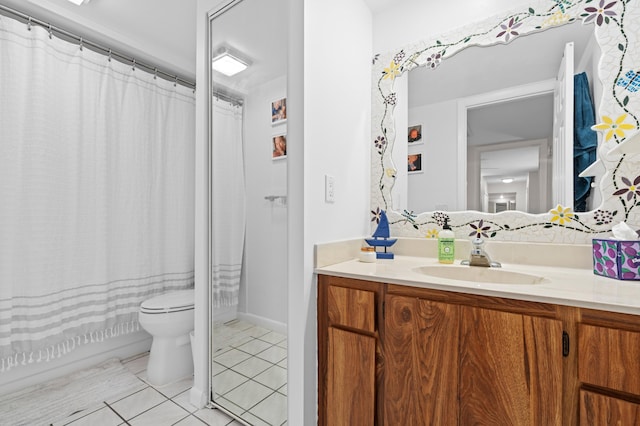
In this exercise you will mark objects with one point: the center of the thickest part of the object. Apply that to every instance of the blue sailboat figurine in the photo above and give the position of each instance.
(380, 238)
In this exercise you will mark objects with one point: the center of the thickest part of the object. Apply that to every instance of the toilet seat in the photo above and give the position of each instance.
(177, 301)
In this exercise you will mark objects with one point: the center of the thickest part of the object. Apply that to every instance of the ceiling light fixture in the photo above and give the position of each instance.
(79, 2)
(507, 180)
(228, 64)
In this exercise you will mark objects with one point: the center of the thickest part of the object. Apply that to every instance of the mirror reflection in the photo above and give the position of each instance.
(248, 210)
(497, 126)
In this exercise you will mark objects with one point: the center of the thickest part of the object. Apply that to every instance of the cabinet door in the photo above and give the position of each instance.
(351, 378)
(600, 410)
(510, 369)
(420, 362)
(608, 357)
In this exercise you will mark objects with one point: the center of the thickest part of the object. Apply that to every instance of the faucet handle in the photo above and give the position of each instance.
(477, 241)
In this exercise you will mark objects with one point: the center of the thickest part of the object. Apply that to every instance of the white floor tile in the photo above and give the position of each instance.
(217, 368)
(252, 367)
(190, 421)
(103, 417)
(213, 417)
(184, 401)
(253, 420)
(231, 358)
(135, 404)
(227, 380)
(283, 363)
(273, 409)
(274, 354)
(283, 390)
(273, 337)
(273, 378)
(166, 413)
(248, 394)
(254, 346)
(230, 406)
(176, 388)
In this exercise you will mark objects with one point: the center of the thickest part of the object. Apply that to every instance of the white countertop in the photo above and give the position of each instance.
(563, 286)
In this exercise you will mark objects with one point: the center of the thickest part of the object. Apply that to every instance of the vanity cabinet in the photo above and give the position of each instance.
(348, 345)
(455, 359)
(609, 368)
(402, 355)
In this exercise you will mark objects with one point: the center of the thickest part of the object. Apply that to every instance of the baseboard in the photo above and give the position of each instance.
(85, 356)
(276, 326)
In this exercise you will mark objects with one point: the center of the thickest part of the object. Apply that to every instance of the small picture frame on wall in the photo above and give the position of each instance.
(415, 134)
(279, 147)
(279, 111)
(414, 163)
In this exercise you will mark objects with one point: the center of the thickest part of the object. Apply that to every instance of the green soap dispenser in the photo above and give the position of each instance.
(446, 244)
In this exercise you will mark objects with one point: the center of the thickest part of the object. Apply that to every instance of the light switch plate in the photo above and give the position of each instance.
(329, 189)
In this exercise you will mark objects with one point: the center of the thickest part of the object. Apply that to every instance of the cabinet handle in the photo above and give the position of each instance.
(565, 344)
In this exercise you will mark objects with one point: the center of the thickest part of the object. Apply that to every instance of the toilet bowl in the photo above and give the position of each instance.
(169, 318)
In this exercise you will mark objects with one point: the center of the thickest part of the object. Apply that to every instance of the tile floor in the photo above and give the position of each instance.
(250, 372)
(250, 375)
(165, 406)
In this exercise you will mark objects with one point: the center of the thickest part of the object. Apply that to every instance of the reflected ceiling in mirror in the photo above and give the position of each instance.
(558, 222)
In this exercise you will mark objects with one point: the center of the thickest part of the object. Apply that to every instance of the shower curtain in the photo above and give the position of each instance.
(96, 193)
(227, 202)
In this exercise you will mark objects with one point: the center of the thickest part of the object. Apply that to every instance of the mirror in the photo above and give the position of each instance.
(504, 95)
(248, 211)
(478, 212)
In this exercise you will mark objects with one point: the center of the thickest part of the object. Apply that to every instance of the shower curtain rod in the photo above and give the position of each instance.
(225, 97)
(111, 53)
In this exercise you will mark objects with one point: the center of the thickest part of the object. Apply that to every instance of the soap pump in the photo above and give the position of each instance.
(446, 244)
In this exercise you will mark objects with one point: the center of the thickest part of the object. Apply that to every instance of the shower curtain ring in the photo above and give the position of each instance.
(155, 73)
(29, 24)
(81, 44)
(109, 55)
(175, 81)
(134, 65)
(50, 32)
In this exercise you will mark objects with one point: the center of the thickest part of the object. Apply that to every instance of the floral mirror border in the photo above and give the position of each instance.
(617, 30)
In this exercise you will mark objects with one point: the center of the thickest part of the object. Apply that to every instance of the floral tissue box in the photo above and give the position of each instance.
(616, 259)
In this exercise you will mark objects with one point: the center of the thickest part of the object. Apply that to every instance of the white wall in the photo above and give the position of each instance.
(335, 140)
(263, 291)
(436, 188)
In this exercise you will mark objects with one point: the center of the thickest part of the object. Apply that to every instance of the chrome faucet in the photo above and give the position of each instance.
(479, 257)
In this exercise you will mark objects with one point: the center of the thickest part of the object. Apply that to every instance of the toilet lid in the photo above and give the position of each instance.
(175, 301)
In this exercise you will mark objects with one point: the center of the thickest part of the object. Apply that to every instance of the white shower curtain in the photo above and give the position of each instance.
(96, 193)
(227, 202)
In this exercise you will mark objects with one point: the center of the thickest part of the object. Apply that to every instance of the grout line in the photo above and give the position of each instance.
(117, 414)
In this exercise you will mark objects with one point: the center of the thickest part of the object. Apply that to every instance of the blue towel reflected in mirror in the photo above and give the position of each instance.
(585, 140)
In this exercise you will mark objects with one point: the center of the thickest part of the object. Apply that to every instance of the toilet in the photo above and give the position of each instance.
(169, 318)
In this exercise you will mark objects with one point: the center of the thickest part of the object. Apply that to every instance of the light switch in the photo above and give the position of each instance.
(329, 189)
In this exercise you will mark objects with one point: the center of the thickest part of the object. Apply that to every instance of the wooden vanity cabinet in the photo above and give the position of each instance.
(348, 351)
(421, 367)
(455, 359)
(391, 355)
(401, 355)
(609, 368)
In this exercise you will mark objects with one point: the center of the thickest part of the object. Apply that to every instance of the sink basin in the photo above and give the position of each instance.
(480, 274)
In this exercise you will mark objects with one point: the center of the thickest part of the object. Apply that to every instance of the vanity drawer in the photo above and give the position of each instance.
(352, 308)
(609, 357)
